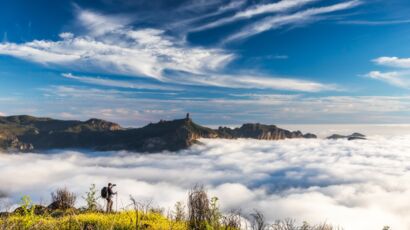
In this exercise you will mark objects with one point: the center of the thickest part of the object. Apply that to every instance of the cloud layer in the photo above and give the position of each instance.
(358, 185)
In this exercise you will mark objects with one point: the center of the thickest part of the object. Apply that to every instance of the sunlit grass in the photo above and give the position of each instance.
(93, 220)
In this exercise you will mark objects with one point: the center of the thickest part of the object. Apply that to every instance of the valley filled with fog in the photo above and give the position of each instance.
(362, 184)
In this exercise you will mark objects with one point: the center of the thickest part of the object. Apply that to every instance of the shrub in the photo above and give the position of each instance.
(179, 212)
(91, 198)
(214, 214)
(62, 199)
(27, 206)
(258, 221)
(232, 220)
(198, 208)
(290, 224)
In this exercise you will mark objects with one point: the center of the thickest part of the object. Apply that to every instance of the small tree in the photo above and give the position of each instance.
(258, 221)
(179, 211)
(91, 198)
(232, 221)
(215, 214)
(63, 199)
(27, 206)
(199, 210)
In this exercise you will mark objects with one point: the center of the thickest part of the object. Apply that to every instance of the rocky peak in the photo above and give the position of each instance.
(99, 124)
(262, 132)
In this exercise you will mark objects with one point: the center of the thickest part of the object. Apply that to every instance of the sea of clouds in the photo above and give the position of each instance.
(360, 185)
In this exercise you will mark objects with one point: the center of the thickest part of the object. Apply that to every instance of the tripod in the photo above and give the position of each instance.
(116, 202)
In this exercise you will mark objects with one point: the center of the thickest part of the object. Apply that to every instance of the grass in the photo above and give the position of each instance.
(203, 214)
(92, 220)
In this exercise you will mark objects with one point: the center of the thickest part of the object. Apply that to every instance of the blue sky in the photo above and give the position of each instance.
(225, 62)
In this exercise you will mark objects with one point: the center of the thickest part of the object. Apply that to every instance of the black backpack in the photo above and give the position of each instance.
(104, 192)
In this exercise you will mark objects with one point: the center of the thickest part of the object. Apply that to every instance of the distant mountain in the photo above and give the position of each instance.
(261, 132)
(353, 136)
(27, 133)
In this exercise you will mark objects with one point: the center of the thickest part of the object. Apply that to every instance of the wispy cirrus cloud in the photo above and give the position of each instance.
(116, 83)
(254, 81)
(183, 24)
(110, 45)
(261, 107)
(301, 17)
(223, 81)
(277, 7)
(139, 53)
(400, 77)
(375, 23)
(396, 78)
(97, 24)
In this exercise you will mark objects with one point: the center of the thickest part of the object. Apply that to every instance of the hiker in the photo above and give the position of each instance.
(107, 193)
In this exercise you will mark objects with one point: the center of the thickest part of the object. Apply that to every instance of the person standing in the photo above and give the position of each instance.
(109, 198)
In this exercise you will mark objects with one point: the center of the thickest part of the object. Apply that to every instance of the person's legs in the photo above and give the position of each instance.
(109, 205)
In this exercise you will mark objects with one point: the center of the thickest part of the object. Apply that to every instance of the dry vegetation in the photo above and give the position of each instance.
(203, 214)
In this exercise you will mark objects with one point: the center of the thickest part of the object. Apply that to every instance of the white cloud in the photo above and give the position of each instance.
(375, 23)
(66, 35)
(368, 189)
(218, 110)
(393, 62)
(98, 24)
(188, 23)
(231, 6)
(110, 46)
(84, 92)
(399, 79)
(277, 7)
(117, 83)
(272, 8)
(300, 17)
(261, 82)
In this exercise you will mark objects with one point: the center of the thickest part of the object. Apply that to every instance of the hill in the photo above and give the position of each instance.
(26, 133)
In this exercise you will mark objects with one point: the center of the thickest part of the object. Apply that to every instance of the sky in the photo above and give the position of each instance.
(225, 62)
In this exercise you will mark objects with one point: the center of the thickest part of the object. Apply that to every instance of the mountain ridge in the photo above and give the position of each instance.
(25, 133)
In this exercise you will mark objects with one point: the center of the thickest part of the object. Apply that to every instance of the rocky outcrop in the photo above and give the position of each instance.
(261, 132)
(13, 144)
(354, 136)
(310, 136)
(100, 125)
(37, 210)
(27, 133)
